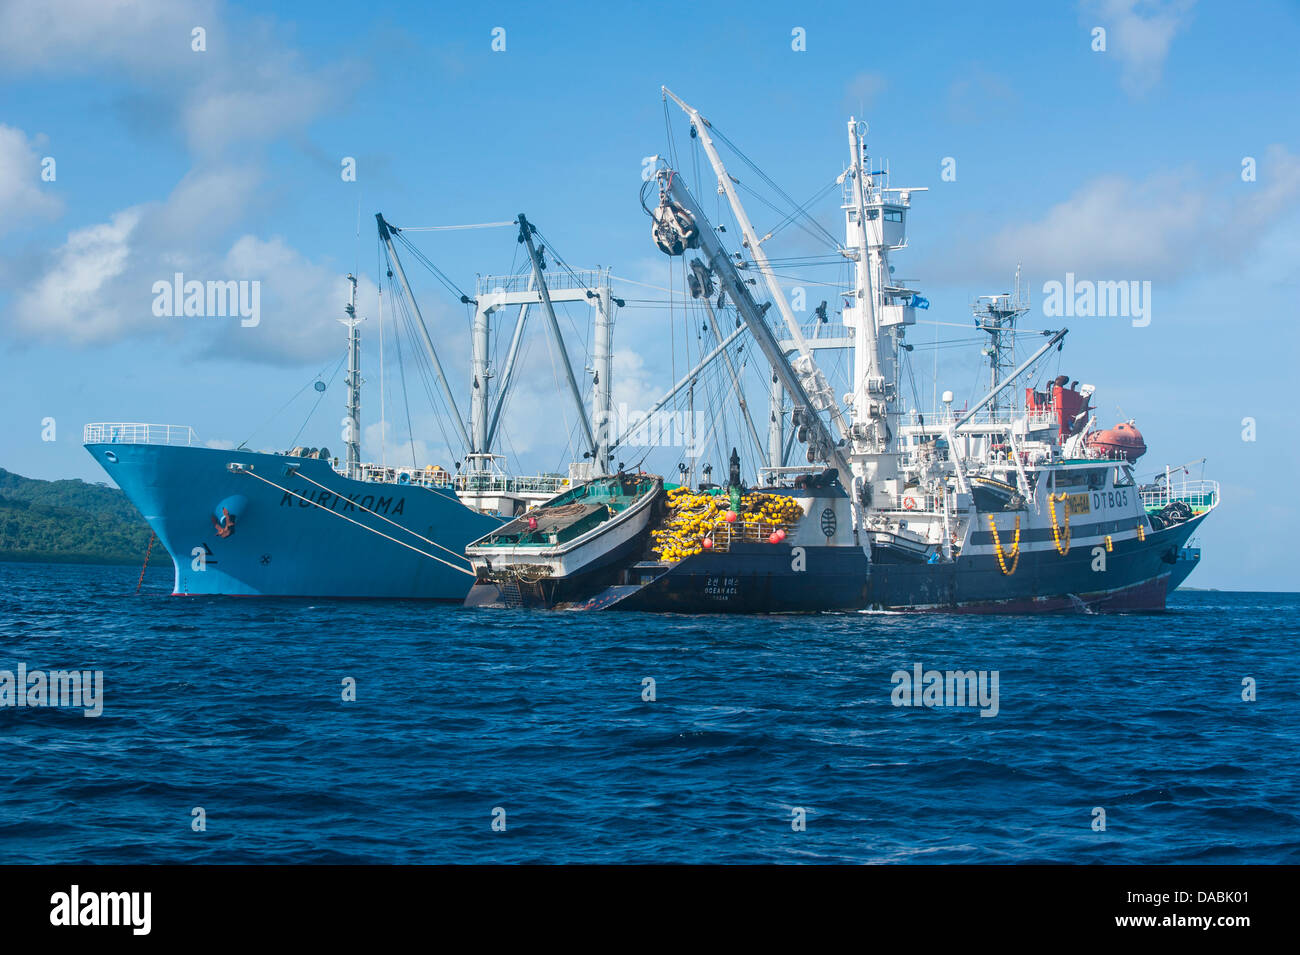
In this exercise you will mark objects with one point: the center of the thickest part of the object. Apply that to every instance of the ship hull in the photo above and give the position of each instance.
(1188, 557)
(550, 592)
(294, 539)
(1137, 576)
(750, 578)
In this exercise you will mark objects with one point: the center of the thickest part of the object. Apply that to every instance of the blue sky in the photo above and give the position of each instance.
(225, 163)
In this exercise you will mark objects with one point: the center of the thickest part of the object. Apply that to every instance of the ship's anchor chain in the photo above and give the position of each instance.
(1015, 547)
(1056, 531)
(147, 551)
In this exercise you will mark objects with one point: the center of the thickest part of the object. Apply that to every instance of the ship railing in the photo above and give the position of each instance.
(424, 477)
(922, 503)
(501, 484)
(1200, 495)
(750, 532)
(486, 483)
(132, 432)
(518, 282)
(784, 476)
(937, 421)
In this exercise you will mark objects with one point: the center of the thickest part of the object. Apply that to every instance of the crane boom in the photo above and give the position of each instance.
(738, 291)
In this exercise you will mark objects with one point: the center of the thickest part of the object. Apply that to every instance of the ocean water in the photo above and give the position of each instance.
(462, 717)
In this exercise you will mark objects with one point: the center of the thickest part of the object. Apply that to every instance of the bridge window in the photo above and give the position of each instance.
(1092, 478)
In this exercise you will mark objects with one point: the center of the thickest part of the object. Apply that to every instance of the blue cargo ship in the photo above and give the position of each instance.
(304, 524)
(252, 523)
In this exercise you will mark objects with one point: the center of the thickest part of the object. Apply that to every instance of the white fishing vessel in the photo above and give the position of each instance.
(1008, 505)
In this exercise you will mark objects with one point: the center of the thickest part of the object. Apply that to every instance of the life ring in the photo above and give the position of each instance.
(909, 504)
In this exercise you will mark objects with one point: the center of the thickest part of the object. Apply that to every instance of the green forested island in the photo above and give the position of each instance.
(68, 522)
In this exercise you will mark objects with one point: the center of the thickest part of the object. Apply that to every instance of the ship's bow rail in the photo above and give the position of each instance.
(131, 432)
(1199, 495)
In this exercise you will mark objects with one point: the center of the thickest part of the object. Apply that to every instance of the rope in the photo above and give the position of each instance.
(443, 278)
(147, 551)
(385, 519)
(1056, 534)
(309, 383)
(1015, 547)
(460, 570)
(319, 398)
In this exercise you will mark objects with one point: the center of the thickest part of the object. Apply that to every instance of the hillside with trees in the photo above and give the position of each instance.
(68, 522)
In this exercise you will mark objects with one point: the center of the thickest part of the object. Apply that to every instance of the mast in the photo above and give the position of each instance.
(701, 288)
(752, 241)
(386, 235)
(353, 420)
(821, 442)
(526, 237)
(813, 379)
(506, 376)
(603, 384)
(500, 292)
(997, 317)
(481, 377)
(875, 223)
(866, 341)
(1016, 373)
(776, 424)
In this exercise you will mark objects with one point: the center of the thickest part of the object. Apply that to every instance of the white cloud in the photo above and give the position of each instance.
(1139, 33)
(69, 302)
(246, 90)
(254, 107)
(979, 96)
(1161, 228)
(861, 91)
(246, 85)
(143, 37)
(209, 200)
(21, 194)
(634, 385)
(301, 303)
(99, 288)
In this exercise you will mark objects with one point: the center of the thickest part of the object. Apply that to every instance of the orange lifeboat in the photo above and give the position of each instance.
(1122, 441)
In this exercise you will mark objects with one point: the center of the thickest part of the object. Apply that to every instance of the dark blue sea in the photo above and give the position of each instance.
(462, 717)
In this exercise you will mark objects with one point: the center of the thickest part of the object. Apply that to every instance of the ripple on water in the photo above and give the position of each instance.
(236, 706)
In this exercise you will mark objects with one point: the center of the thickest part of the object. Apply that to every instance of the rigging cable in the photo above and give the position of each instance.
(280, 411)
(406, 401)
(319, 399)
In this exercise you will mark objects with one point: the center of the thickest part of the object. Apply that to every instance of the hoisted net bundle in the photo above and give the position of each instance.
(694, 517)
